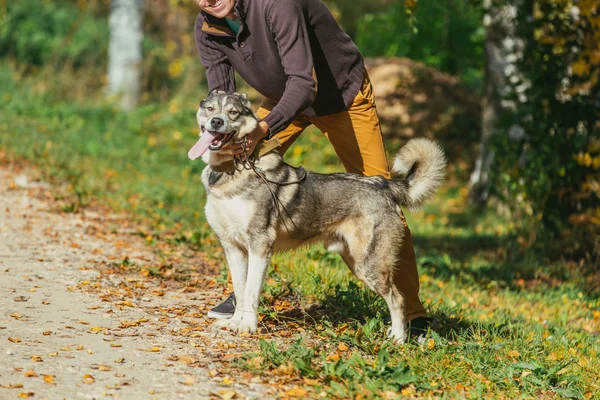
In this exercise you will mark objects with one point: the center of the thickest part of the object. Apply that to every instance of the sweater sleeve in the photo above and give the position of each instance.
(219, 71)
(287, 25)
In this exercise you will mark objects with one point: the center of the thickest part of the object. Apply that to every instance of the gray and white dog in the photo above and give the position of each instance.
(272, 206)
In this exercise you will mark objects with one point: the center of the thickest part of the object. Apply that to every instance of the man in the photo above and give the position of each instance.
(294, 53)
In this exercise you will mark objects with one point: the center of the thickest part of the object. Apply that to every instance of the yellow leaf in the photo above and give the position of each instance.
(47, 333)
(103, 367)
(297, 391)
(14, 340)
(227, 394)
(154, 349)
(227, 381)
(30, 374)
(342, 346)
(26, 395)
(37, 359)
(12, 386)
(87, 378)
(66, 348)
(514, 353)
(187, 359)
(49, 379)
(430, 344)
(189, 380)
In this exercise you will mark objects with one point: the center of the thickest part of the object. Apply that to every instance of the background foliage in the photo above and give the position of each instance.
(549, 172)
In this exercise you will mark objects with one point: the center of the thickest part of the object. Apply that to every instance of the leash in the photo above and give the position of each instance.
(249, 163)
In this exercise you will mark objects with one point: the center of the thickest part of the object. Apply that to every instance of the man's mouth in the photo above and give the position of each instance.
(216, 5)
(220, 139)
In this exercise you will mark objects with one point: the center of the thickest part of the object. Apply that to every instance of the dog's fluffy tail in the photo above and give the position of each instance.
(423, 163)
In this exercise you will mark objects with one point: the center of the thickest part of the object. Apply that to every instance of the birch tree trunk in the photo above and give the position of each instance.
(125, 51)
(501, 48)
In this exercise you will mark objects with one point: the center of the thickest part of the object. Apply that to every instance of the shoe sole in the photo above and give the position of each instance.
(218, 315)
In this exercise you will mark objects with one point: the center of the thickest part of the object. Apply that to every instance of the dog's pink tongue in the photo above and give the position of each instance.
(201, 145)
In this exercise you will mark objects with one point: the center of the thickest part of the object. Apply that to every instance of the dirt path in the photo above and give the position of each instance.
(81, 318)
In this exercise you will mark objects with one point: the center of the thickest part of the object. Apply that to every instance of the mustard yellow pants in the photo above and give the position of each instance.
(355, 134)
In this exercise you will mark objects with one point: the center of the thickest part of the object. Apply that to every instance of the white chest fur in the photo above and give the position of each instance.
(229, 217)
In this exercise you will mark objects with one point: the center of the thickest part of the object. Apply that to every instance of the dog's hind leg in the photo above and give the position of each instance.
(237, 261)
(257, 269)
(372, 260)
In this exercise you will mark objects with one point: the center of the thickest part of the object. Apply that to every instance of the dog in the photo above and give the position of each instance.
(262, 205)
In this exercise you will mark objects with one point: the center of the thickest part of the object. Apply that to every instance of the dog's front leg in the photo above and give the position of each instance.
(257, 268)
(237, 261)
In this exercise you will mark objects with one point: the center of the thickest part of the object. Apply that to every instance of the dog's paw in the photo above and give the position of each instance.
(231, 324)
(247, 326)
(397, 336)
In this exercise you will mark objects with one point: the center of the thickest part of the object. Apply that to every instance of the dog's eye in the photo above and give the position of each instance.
(234, 113)
(210, 109)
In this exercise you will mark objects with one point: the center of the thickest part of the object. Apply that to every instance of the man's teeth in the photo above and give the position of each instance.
(217, 4)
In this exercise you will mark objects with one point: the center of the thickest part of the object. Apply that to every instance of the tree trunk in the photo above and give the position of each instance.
(500, 48)
(125, 51)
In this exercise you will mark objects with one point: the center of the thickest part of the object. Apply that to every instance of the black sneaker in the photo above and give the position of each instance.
(418, 327)
(224, 310)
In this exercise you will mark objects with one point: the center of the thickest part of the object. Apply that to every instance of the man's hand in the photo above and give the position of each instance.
(252, 139)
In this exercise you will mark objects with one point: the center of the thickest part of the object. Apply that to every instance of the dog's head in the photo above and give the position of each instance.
(223, 118)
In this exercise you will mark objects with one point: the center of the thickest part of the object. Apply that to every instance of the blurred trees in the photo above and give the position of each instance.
(502, 47)
(547, 166)
(125, 51)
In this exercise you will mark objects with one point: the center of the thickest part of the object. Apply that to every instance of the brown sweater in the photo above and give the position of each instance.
(285, 49)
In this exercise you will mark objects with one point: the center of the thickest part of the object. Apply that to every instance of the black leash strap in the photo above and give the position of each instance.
(249, 164)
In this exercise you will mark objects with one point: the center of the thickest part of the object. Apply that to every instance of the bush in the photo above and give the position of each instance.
(549, 172)
(37, 33)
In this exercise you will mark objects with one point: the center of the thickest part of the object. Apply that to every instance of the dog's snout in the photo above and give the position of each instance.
(217, 122)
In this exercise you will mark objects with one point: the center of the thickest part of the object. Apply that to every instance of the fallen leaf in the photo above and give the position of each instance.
(47, 333)
(12, 386)
(87, 378)
(116, 345)
(79, 348)
(45, 302)
(65, 348)
(227, 381)
(14, 340)
(227, 394)
(26, 395)
(333, 357)
(16, 316)
(430, 344)
(186, 359)
(37, 359)
(514, 353)
(154, 349)
(342, 346)
(189, 380)
(30, 374)
(49, 379)
(102, 367)
(297, 391)
(53, 354)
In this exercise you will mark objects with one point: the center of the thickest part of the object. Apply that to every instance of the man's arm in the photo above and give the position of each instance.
(286, 22)
(219, 72)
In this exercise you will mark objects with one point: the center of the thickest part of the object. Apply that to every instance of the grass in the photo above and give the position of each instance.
(508, 324)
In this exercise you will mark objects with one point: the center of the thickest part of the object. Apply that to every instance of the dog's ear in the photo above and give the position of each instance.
(243, 98)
